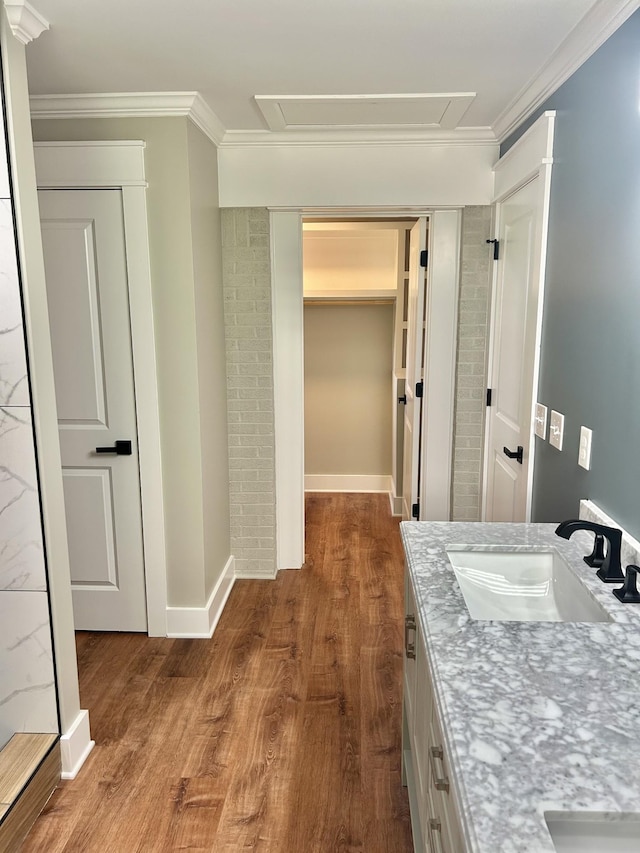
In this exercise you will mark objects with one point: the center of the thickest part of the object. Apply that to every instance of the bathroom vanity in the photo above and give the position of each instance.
(520, 734)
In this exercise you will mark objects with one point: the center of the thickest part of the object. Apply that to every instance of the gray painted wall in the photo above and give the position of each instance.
(590, 363)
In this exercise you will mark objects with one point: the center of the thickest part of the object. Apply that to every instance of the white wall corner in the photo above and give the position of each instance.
(25, 22)
(200, 622)
(75, 746)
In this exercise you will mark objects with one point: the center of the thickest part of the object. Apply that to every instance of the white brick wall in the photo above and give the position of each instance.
(249, 346)
(473, 324)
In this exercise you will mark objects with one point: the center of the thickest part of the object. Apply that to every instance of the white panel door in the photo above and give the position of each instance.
(513, 357)
(415, 360)
(87, 290)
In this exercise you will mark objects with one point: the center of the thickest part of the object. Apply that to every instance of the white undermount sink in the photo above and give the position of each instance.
(593, 832)
(521, 586)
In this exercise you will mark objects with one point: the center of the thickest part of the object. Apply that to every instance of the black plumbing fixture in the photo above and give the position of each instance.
(628, 593)
(610, 570)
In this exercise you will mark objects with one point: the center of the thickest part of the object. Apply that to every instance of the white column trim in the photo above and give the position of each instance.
(288, 385)
(445, 232)
(26, 23)
(98, 165)
(75, 746)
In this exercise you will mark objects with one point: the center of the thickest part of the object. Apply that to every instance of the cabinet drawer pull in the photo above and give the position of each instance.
(441, 783)
(435, 831)
(409, 648)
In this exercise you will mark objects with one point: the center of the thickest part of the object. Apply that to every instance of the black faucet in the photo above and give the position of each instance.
(610, 570)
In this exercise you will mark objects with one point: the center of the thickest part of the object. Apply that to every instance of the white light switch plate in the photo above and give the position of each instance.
(556, 430)
(584, 451)
(541, 421)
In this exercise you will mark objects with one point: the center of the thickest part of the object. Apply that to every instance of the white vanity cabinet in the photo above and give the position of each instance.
(432, 798)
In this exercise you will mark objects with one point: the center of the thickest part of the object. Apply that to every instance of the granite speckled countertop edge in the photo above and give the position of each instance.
(536, 717)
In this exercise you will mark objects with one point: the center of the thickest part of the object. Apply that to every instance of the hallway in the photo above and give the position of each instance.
(280, 734)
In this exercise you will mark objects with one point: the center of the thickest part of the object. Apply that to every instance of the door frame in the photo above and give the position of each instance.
(531, 156)
(288, 363)
(120, 165)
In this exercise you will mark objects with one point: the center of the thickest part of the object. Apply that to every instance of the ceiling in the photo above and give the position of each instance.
(233, 50)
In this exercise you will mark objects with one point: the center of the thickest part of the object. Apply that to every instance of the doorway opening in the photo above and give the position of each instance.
(436, 366)
(355, 287)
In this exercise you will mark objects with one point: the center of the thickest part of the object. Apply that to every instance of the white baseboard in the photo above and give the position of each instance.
(348, 483)
(75, 746)
(396, 505)
(200, 622)
(255, 576)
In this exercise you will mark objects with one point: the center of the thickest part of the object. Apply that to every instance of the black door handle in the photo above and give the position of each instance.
(514, 454)
(403, 399)
(120, 448)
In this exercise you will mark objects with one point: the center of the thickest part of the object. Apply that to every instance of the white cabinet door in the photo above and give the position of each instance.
(415, 361)
(87, 291)
(513, 356)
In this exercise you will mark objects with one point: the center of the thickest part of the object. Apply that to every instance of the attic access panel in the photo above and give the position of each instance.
(364, 112)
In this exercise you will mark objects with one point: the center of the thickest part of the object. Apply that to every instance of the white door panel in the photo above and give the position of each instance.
(87, 289)
(415, 361)
(513, 355)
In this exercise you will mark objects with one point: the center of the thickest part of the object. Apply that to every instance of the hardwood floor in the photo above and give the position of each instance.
(279, 735)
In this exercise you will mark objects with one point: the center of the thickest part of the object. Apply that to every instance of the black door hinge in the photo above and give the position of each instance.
(489, 396)
(419, 389)
(496, 249)
(424, 258)
(415, 510)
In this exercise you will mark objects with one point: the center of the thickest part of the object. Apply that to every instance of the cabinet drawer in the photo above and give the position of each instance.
(441, 789)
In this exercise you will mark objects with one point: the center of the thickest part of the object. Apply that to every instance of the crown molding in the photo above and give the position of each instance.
(193, 105)
(25, 22)
(600, 22)
(130, 105)
(345, 138)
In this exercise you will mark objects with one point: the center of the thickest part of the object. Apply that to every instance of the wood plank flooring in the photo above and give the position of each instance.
(281, 734)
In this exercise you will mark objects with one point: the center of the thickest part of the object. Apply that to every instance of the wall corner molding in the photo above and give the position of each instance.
(26, 23)
(600, 22)
(200, 622)
(131, 105)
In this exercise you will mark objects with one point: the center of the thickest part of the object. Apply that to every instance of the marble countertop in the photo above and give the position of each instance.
(538, 716)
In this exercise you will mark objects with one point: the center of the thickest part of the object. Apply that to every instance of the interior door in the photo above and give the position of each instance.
(87, 290)
(415, 327)
(513, 357)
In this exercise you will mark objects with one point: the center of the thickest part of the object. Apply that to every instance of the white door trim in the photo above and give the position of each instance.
(530, 156)
(120, 165)
(288, 366)
(445, 232)
(288, 385)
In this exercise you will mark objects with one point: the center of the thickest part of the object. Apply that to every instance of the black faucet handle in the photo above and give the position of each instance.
(596, 558)
(628, 593)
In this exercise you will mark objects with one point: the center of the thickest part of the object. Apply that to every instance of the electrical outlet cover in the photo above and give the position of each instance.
(556, 430)
(541, 421)
(584, 451)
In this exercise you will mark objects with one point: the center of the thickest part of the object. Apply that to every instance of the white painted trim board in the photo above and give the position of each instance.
(349, 483)
(288, 385)
(75, 746)
(200, 622)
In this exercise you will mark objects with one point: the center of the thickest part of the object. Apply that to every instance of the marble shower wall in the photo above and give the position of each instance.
(27, 683)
